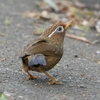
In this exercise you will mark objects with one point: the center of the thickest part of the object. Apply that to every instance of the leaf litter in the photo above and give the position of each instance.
(55, 10)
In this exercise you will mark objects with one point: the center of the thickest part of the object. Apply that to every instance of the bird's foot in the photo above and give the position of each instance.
(32, 77)
(55, 82)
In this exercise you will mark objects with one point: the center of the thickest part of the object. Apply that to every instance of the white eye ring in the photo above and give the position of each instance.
(59, 29)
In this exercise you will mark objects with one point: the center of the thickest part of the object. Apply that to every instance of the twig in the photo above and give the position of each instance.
(1, 34)
(78, 38)
(96, 41)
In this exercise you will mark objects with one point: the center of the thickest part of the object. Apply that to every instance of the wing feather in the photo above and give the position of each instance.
(38, 46)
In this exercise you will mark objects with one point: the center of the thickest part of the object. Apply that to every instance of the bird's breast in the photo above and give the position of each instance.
(57, 48)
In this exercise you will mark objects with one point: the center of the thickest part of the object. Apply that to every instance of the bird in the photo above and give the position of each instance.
(43, 53)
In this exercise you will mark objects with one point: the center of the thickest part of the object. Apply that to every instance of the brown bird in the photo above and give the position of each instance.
(45, 52)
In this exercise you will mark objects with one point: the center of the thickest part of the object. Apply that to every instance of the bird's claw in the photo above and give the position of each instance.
(32, 77)
(54, 83)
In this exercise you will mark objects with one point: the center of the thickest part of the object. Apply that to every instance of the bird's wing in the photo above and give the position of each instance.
(36, 47)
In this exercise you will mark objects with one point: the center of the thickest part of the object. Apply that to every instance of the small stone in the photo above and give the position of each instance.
(7, 94)
(84, 95)
(3, 59)
(76, 56)
(82, 74)
(21, 96)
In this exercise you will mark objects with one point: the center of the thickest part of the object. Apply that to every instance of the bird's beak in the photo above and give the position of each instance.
(69, 24)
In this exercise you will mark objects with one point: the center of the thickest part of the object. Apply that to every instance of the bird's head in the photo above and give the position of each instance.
(57, 31)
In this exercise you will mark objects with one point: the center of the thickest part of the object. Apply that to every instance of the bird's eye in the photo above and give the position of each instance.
(60, 29)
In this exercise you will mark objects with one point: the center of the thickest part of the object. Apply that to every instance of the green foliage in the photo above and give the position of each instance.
(7, 22)
(2, 97)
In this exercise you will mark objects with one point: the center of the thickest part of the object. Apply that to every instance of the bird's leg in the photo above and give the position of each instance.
(30, 77)
(53, 81)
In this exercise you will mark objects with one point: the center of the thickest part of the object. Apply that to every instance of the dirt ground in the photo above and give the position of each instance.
(79, 68)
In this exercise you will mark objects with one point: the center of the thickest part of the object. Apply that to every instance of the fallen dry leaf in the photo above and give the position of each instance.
(45, 14)
(85, 22)
(63, 6)
(84, 95)
(98, 61)
(39, 31)
(42, 15)
(30, 14)
(2, 34)
(79, 4)
(85, 19)
(3, 59)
